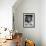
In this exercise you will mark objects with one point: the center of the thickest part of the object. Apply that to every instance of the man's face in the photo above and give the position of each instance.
(29, 19)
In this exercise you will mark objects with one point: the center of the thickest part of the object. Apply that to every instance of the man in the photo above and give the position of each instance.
(28, 18)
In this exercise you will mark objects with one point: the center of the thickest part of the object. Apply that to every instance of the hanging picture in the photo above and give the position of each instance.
(29, 20)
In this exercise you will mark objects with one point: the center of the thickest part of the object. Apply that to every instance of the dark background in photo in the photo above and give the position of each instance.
(28, 18)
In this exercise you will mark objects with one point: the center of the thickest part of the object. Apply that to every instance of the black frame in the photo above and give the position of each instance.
(33, 14)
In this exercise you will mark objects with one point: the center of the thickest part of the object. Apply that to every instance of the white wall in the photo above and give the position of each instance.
(28, 6)
(43, 22)
(6, 13)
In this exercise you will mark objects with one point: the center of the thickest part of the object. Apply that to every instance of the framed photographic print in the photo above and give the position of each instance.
(29, 20)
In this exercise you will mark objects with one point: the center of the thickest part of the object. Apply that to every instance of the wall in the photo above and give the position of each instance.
(6, 13)
(43, 22)
(28, 6)
(6, 16)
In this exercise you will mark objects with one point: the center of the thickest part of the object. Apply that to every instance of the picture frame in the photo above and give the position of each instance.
(28, 20)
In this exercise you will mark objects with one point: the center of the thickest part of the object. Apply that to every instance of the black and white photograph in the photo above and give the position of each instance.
(29, 20)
